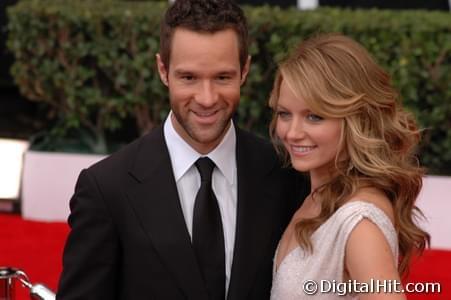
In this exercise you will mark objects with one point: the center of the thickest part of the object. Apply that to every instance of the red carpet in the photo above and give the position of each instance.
(36, 248)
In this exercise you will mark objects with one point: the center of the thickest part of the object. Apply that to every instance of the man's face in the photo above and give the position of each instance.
(204, 79)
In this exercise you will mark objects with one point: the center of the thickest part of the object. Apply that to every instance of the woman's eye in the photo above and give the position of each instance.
(314, 118)
(282, 114)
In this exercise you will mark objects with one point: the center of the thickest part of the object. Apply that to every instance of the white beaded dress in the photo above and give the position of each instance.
(327, 260)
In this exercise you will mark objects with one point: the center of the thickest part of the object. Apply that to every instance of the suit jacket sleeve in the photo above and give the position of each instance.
(91, 251)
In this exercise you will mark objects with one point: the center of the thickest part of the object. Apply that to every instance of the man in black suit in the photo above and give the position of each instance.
(146, 222)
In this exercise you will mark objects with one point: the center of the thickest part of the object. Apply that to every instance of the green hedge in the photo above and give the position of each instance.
(94, 63)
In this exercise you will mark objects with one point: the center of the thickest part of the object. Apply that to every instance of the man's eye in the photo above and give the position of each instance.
(224, 77)
(188, 77)
(314, 118)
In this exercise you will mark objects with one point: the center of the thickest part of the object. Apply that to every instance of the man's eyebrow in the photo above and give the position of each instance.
(228, 72)
(182, 72)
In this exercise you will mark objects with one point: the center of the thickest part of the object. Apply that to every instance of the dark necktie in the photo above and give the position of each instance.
(208, 235)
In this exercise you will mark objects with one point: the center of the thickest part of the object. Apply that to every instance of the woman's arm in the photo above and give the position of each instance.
(368, 256)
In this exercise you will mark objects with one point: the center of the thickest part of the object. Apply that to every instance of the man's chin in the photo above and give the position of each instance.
(207, 136)
(206, 139)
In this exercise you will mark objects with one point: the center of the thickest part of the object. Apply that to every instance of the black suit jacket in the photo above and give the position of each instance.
(128, 236)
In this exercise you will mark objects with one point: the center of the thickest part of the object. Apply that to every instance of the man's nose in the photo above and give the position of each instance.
(207, 95)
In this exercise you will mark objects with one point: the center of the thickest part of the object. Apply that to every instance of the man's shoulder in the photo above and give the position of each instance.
(251, 140)
(126, 156)
(256, 150)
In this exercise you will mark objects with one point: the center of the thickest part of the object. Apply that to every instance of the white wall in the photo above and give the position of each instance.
(435, 202)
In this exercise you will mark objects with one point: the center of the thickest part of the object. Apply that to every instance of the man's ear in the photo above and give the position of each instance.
(162, 70)
(245, 71)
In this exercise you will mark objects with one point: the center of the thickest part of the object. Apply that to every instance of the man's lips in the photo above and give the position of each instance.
(206, 117)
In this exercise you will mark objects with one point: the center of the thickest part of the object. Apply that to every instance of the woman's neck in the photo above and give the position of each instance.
(318, 178)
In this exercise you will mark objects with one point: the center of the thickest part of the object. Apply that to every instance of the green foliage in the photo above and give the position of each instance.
(94, 62)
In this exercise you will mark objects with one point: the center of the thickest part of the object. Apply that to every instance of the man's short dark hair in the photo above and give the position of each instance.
(203, 16)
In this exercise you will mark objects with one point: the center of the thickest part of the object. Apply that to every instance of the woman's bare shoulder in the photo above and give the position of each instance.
(377, 198)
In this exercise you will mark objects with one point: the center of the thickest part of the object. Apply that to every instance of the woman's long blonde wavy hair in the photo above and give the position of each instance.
(337, 78)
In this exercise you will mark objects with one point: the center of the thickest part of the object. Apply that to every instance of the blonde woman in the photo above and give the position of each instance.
(337, 117)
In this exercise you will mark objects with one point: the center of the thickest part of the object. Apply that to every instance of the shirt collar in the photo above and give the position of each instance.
(183, 156)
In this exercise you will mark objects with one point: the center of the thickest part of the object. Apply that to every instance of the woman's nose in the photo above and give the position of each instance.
(296, 130)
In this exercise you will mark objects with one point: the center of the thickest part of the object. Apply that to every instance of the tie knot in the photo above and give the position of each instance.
(205, 167)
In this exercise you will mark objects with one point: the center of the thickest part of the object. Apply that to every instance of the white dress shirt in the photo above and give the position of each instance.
(224, 182)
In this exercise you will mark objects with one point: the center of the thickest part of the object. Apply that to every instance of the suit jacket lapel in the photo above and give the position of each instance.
(155, 200)
(253, 229)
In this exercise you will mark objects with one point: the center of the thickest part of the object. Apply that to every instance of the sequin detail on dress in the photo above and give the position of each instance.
(327, 260)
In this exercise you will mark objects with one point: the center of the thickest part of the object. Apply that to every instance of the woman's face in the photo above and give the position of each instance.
(311, 140)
